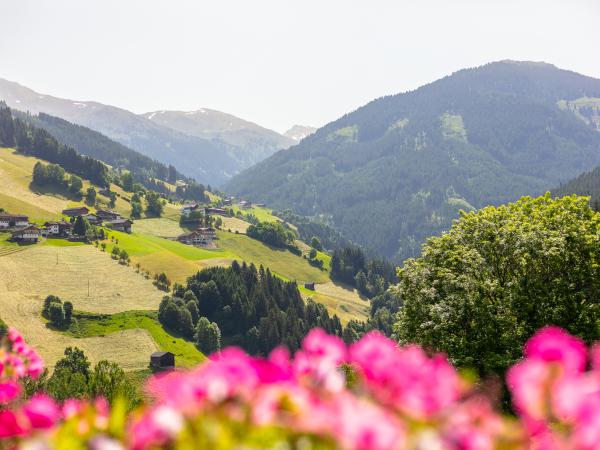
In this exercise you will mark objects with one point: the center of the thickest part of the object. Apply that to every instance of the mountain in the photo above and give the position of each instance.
(210, 159)
(254, 142)
(399, 169)
(587, 183)
(299, 132)
(92, 143)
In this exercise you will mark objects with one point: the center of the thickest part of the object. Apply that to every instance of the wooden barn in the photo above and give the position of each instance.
(162, 360)
(120, 225)
(74, 212)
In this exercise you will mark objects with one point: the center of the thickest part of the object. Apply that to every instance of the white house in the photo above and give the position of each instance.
(13, 220)
(56, 229)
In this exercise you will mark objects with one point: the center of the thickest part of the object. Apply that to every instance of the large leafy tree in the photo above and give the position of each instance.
(480, 290)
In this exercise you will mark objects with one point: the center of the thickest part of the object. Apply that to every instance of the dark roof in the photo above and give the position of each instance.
(29, 228)
(7, 216)
(75, 210)
(107, 212)
(119, 221)
(159, 354)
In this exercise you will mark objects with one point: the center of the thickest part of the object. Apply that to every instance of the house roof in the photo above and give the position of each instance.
(60, 224)
(107, 212)
(160, 354)
(25, 229)
(120, 222)
(75, 210)
(7, 216)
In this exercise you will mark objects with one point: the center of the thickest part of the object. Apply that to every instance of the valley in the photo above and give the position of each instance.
(115, 304)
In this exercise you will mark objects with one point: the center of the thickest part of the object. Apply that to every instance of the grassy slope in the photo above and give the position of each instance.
(89, 325)
(62, 268)
(155, 254)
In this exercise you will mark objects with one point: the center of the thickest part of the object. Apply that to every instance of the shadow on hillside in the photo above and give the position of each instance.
(55, 191)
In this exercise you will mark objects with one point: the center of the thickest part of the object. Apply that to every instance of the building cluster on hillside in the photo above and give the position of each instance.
(24, 231)
(106, 217)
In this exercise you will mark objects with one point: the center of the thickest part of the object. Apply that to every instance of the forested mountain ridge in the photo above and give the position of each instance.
(587, 183)
(210, 159)
(399, 169)
(92, 143)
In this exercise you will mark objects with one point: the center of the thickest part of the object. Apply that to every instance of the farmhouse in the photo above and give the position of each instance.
(13, 220)
(58, 229)
(93, 219)
(187, 209)
(120, 225)
(217, 211)
(245, 205)
(27, 234)
(107, 214)
(201, 236)
(74, 212)
(162, 360)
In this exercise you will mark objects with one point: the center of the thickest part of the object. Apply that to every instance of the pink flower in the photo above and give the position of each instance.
(473, 425)
(320, 358)
(14, 336)
(156, 428)
(360, 425)
(553, 344)
(41, 411)
(9, 425)
(405, 378)
(528, 382)
(586, 435)
(71, 407)
(9, 391)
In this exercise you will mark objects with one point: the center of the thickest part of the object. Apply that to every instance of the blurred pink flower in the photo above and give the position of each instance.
(9, 391)
(406, 378)
(553, 344)
(42, 411)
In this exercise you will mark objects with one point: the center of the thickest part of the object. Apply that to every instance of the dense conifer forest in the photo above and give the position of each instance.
(252, 308)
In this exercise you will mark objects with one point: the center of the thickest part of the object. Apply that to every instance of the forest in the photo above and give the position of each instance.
(400, 168)
(38, 142)
(251, 308)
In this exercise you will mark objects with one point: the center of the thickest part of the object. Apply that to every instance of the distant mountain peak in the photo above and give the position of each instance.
(299, 132)
(207, 144)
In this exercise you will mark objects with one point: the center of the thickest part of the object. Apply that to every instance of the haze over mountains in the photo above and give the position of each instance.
(399, 169)
(299, 132)
(206, 144)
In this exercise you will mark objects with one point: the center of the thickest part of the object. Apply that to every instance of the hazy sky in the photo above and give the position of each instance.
(278, 62)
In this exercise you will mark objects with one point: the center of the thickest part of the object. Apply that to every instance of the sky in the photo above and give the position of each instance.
(278, 62)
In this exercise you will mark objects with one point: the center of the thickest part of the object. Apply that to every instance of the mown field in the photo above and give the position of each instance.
(30, 273)
(87, 325)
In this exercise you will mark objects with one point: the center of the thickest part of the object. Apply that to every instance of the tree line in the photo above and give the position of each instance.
(38, 142)
(245, 306)
(371, 277)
